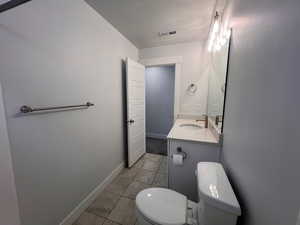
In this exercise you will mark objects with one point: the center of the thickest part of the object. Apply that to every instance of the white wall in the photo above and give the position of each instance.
(160, 85)
(55, 53)
(9, 212)
(192, 71)
(261, 126)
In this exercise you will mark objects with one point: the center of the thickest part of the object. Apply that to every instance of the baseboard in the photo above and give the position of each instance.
(156, 135)
(84, 204)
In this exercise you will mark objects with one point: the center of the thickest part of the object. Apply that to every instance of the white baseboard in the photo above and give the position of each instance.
(156, 135)
(84, 204)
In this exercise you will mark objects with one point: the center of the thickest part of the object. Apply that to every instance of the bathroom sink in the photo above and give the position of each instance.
(191, 126)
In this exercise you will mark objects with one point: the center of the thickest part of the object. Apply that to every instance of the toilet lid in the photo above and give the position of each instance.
(162, 206)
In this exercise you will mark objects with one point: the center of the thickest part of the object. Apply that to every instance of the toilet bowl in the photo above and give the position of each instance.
(217, 203)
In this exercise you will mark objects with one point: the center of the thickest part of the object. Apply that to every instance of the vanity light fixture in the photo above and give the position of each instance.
(216, 26)
(228, 34)
(214, 31)
(218, 36)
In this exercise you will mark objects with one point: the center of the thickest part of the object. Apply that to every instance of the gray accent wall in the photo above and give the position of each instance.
(193, 69)
(61, 52)
(160, 84)
(261, 129)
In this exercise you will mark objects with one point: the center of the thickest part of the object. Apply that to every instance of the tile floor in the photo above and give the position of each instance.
(116, 204)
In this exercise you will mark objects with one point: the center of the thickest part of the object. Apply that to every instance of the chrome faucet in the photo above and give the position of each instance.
(205, 119)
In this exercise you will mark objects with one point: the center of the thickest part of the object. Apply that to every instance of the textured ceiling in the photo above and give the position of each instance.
(141, 20)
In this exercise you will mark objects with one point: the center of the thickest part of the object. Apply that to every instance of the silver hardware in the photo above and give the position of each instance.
(192, 213)
(28, 109)
(179, 151)
(206, 120)
(192, 89)
(130, 121)
(218, 119)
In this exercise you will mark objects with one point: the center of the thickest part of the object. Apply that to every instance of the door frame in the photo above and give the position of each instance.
(163, 61)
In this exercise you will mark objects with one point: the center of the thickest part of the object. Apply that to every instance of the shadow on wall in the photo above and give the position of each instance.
(124, 107)
(260, 156)
(9, 4)
(243, 218)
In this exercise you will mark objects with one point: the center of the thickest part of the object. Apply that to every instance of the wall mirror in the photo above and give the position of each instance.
(219, 57)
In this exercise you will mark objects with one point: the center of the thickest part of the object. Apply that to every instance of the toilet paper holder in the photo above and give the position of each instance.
(181, 152)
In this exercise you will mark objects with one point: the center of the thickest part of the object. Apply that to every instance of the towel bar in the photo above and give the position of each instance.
(28, 109)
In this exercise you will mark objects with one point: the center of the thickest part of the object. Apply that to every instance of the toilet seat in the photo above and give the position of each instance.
(161, 206)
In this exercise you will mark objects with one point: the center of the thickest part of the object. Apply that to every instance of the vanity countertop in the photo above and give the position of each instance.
(192, 133)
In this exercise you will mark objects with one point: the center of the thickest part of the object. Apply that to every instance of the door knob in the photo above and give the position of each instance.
(131, 121)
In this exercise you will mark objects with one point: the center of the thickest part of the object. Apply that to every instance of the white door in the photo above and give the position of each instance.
(135, 88)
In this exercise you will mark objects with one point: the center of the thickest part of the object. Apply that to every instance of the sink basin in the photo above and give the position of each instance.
(191, 126)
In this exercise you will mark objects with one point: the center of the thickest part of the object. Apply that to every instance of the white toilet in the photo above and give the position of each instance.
(217, 202)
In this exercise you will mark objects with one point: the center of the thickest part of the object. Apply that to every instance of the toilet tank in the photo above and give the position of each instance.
(217, 202)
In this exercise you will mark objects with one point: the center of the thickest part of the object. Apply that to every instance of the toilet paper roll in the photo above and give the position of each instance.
(178, 159)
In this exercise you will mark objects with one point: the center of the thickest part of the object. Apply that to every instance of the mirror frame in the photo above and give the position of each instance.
(226, 80)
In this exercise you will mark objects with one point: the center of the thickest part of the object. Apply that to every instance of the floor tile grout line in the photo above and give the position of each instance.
(158, 169)
(105, 219)
(115, 207)
(121, 195)
(155, 177)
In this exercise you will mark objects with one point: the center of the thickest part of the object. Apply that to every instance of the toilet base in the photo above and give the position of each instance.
(142, 220)
(191, 216)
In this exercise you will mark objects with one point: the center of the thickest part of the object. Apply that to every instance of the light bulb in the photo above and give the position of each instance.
(223, 41)
(228, 33)
(211, 41)
(218, 47)
(210, 45)
(216, 26)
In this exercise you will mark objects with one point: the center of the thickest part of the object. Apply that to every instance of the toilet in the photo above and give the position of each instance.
(217, 203)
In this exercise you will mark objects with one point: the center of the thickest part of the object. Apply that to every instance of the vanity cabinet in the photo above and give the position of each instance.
(182, 178)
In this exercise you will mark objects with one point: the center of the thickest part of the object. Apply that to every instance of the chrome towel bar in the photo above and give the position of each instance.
(28, 109)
